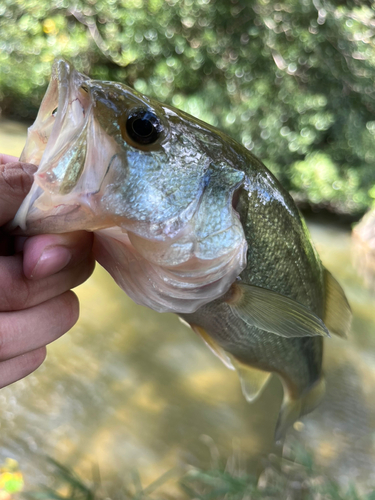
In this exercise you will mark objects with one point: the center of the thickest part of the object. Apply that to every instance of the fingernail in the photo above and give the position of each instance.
(51, 262)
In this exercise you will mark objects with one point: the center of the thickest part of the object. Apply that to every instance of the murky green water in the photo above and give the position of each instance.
(129, 388)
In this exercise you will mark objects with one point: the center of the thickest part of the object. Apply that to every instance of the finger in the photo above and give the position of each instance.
(47, 254)
(27, 330)
(7, 159)
(17, 368)
(19, 243)
(15, 182)
(17, 292)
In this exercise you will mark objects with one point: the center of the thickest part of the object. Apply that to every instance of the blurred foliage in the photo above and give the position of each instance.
(292, 80)
(11, 479)
(65, 484)
(293, 478)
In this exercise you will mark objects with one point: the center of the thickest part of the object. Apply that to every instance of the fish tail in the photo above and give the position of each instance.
(293, 408)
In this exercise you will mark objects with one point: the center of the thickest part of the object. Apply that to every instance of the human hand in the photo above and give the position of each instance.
(36, 275)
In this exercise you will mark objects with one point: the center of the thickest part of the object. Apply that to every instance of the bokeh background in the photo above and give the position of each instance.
(129, 394)
(293, 81)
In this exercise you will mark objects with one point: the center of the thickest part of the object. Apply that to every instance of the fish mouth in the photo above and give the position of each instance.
(57, 144)
(63, 112)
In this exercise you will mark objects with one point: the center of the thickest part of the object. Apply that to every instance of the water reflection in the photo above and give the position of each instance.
(129, 388)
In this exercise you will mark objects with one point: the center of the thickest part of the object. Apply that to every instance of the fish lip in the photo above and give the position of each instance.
(68, 82)
(59, 121)
(62, 90)
(60, 80)
(67, 104)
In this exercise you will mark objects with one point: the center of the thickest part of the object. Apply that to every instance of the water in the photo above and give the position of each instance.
(128, 388)
(12, 137)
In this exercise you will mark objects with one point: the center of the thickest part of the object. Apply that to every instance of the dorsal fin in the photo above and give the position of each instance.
(337, 312)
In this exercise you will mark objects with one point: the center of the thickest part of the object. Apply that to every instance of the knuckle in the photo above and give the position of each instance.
(16, 290)
(16, 177)
(17, 296)
(9, 335)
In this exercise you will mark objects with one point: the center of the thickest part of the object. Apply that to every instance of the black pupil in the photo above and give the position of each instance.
(143, 127)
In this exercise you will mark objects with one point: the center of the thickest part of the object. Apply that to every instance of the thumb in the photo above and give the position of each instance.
(15, 182)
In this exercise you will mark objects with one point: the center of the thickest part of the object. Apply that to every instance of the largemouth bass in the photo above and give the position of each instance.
(188, 221)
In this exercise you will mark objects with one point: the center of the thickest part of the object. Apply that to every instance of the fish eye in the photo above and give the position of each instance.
(143, 127)
(54, 112)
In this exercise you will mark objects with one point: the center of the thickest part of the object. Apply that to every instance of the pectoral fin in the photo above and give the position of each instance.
(337, 312)
(274, 313)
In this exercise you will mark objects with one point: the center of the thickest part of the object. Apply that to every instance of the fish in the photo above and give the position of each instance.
(186, 220)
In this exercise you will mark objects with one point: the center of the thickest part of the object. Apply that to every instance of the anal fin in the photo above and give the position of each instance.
(252, 380)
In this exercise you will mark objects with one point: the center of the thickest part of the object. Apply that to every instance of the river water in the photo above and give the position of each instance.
(129, 389)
